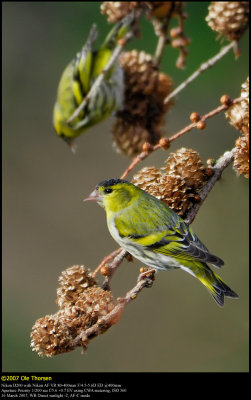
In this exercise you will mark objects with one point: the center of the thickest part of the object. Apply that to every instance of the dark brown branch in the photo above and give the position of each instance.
(203, 67)
(221, 164)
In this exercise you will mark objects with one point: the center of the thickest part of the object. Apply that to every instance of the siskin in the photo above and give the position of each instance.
(154, 234)
(78, 78)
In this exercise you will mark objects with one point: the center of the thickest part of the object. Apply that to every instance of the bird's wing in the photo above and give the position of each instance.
(178, 241)
(161, 230)
(82, 68)
(181, 242)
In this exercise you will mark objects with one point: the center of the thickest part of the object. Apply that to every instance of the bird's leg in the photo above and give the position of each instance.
(112, 267)
(106, 260)
(149, 272)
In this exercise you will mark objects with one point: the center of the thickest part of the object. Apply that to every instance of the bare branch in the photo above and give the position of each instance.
(162, 41)
(121, 254)
(203, 67)
(107, 259)
(221, 164)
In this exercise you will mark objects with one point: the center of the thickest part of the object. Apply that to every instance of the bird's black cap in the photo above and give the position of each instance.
(111, 182)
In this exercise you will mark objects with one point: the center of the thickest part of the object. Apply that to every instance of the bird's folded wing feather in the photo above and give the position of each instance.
(178, 241)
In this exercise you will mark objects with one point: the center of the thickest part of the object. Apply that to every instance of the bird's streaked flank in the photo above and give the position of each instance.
(154, 234)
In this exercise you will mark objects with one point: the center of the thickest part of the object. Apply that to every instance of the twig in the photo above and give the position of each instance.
(163, 41)
(203, 118)
(113, 317)
(121, 254)
(160, 49)
(221, 164)
(106, 260)
(178, 134)
(203, 67)
(116, 52)
(136, 160)
(221, 108)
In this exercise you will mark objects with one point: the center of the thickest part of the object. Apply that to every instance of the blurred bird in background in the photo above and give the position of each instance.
(78, 78)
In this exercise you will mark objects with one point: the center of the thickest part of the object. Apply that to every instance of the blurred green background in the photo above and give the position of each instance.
(175, 325)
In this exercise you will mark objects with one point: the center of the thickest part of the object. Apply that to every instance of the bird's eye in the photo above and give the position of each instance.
(108, 190)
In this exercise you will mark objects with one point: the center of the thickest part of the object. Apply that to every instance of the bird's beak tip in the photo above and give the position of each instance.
(70, 142)
(73, 147)
(92, 197)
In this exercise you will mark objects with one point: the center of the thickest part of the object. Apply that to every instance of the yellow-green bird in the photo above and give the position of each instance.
(78, 78)
(154, 234)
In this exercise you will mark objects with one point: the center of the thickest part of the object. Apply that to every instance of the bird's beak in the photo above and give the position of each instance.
(70, 143)
(93, 196)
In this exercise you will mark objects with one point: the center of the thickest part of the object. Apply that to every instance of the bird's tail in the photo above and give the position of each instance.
(215, 285)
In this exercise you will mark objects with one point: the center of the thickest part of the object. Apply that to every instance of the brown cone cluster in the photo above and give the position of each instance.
(241, 156)
(228, 18)
(92, 304)
(187, 164)
(159, 13)
(50, 336)
(142, 117)
(73, 281)
(116, 10)
(81, 303)
(238, 114)
(178, 183)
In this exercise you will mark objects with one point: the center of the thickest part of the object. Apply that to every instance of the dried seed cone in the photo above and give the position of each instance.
(171, 189)
(54, 334)
(228, 18)
(50, 336)
(187, 164)
(241, 156)
(92, 304)
(175, 193)
(128, 139)
(140, 73)
(142, 117)
(95, 301)
(146, 177)
(238, 114)
(116, 10)
(73, 281)
(178, 183)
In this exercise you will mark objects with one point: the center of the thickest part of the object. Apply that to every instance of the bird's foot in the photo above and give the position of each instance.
(146, 273)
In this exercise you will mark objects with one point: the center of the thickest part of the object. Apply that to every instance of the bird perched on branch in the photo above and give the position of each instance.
(154, 234)
(77, 81)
